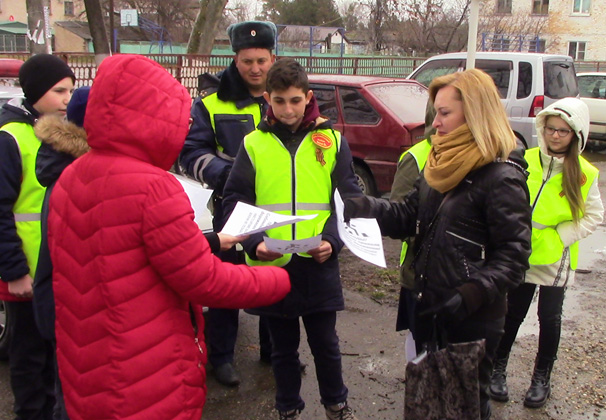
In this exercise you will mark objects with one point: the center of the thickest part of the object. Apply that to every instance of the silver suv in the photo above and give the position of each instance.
(527, 82)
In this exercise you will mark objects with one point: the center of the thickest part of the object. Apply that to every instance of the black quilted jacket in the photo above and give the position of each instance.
(475, 241)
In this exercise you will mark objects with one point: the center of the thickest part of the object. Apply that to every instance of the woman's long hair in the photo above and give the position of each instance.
(484, 113)
(572, 179)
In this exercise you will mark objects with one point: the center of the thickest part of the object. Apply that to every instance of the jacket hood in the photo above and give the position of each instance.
(62, 142)
(136, 108)
(64, 136)
(17, 110)
(574, 112)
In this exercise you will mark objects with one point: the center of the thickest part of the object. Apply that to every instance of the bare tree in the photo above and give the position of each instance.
(203, 33)
(435, 26)
(96, 25)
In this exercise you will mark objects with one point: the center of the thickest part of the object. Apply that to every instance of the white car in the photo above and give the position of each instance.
(527, 82)
(9, 92)
(592, 87)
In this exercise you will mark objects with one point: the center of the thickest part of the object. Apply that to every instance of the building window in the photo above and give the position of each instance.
(540, 7)
(68, 8)
(581, 6)
(576, 50)
(503, 6)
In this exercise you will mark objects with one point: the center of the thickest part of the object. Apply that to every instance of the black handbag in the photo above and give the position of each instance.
(443, 384)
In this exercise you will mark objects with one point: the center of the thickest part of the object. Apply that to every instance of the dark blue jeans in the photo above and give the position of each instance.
(551, 300)
(324, 344)
(32, 365)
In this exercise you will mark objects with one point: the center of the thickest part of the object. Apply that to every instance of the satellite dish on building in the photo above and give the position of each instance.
(129, 17)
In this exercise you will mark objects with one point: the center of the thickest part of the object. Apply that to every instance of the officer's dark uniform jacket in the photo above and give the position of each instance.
(217, 132)
(314, 287)
(479, 242)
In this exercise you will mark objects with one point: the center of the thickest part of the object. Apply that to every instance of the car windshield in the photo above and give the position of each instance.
(437, 68)
(560, 79)
(499, 70)
(591, 86)
(399, 97)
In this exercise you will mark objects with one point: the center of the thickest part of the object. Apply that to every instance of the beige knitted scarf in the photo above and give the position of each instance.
(451, 158)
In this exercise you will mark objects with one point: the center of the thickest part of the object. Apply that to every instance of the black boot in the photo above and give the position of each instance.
(540, 385)
(498, 390)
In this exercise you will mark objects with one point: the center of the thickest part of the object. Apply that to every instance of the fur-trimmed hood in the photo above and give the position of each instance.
(574, 112)
(62, 143)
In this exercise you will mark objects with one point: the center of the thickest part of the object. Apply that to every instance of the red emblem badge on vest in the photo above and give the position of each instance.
(321, 140)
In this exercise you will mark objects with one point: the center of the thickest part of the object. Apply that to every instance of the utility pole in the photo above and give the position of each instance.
(112, 44)
(38, 26)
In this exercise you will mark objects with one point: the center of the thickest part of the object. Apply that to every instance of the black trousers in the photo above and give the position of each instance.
(324, 344)
(32, 365)
(551, 301)
(467, 330)
(222, 326)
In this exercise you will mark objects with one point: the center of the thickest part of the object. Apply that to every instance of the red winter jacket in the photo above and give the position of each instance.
(128, 257)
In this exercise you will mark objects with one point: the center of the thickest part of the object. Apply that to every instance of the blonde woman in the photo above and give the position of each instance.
(566, 207)
(470, 217)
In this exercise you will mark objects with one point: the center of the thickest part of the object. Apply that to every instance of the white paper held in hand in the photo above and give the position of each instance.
(246, 220)
(362, 236)
(292, 247)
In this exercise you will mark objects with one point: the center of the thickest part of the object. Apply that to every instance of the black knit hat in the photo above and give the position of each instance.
(252, 34)
(40, 73)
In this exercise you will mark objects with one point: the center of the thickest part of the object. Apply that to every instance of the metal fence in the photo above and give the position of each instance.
(186, 68)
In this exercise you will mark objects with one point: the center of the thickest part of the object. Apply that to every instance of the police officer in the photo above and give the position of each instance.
(230, 106)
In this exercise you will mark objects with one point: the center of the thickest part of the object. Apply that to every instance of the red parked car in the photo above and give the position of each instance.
(381, 117)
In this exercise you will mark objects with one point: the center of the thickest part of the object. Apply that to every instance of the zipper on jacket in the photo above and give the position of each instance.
(482, 246)
(197, 341)
(544, 180)
(418, 228)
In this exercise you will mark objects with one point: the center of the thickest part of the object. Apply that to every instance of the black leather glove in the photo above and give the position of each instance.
(451, 308)
(357, 207)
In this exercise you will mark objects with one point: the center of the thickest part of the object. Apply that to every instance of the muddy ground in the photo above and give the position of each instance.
(374, 359)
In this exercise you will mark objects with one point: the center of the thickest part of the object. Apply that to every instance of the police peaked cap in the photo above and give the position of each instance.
(252, 34)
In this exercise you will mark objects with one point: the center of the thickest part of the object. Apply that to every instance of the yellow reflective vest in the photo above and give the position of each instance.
(222, 112)
(551, 208)
(420, 152)
(28, 206)
(299, 185)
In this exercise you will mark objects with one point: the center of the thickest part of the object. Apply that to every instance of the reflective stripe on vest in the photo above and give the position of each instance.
(420, 153)
(216, 107)
(28, 206)
(296, 186)
(551, 209)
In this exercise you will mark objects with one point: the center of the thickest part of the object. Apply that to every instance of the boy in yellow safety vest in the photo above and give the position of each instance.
(47, 83)
(292, 164)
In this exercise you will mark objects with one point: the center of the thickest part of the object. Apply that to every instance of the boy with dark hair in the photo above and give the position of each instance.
(292, 164)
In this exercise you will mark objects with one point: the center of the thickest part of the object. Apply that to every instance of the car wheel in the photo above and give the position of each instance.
(596, 145)
(4, 331)
(365, 180)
